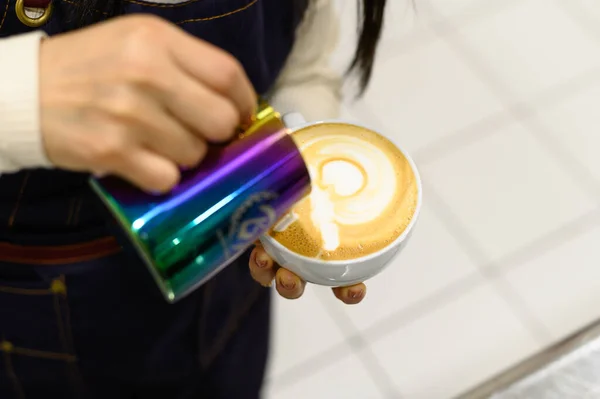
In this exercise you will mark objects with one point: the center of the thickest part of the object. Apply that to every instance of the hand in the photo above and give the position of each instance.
(290, 286)
(139, 98)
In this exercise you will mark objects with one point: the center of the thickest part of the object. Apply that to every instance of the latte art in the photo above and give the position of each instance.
(350, 190)
(363, 195)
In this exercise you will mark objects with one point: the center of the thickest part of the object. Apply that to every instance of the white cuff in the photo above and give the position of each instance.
(316, 101)
(20, 131)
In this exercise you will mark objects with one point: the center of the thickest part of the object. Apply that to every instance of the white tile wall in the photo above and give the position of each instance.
(576, 124)
(459, 10)
(451, 347)
(301, 331)
(436, 323)
(346, 376)
(589, 6)
(420, 271)
(506, 190)
(531, 46)
(422, 95)
(562, 286)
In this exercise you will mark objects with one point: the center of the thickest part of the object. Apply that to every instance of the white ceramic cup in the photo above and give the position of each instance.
(340, 273)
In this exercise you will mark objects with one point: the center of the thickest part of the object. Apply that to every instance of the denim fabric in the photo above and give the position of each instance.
(101, 329)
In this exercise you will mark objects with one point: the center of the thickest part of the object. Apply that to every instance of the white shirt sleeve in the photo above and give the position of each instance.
(21, 143)
(307, 83)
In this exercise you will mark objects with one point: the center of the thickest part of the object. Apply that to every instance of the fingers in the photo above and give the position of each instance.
(262, 267)
(351, 295)
(217, 70)
(146, 108)
(148, 171)
(208, 114)
(264, 271)
(180, 146)
(153, 126)
(164, 135)
(288, 284)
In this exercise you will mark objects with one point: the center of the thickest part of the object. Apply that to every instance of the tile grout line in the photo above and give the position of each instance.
(311, 366)
(362, 349)
(491, 124)
(524, 109)
(418, 38)
(578, 171)
(536, 328)
(379, 374)
(413, 312)
(323, 357)
(385, 385)
(581, 18)
(423, 307)
(376, 331)
(449, 293)
(561, 235)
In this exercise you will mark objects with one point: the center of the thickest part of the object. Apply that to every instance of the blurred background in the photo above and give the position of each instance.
(498, 101)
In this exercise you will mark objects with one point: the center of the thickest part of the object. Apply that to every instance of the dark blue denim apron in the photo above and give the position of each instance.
(70, 324)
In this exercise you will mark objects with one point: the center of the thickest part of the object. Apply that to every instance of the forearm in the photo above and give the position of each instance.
(20, 137)
(308, 84)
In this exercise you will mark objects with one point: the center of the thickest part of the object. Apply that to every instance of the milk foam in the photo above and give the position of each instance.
(345, 177)
(363, 194)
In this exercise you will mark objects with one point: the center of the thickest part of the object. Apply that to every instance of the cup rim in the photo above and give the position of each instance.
(394, 244)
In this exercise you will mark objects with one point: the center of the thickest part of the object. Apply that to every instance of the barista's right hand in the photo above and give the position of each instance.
(138, 98)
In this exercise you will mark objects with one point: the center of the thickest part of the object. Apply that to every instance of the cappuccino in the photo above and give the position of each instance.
(364, 194)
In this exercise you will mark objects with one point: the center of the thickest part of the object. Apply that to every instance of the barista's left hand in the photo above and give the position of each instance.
(290, 286)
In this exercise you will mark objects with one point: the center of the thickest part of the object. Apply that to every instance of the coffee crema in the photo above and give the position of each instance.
(364, 194)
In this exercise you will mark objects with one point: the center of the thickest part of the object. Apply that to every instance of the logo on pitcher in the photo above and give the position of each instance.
(254, 217)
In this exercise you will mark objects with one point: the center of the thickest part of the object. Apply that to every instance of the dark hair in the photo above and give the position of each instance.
(370, 16)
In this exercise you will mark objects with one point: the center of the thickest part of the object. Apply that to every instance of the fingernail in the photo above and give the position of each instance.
(289, 283)
(354, 294)
(247, 122)
(262, 261)
(269, 285)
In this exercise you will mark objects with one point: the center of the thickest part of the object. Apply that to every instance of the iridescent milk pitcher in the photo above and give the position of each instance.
(217, 211)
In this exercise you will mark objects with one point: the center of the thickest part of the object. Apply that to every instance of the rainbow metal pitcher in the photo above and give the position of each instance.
(217, 211)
